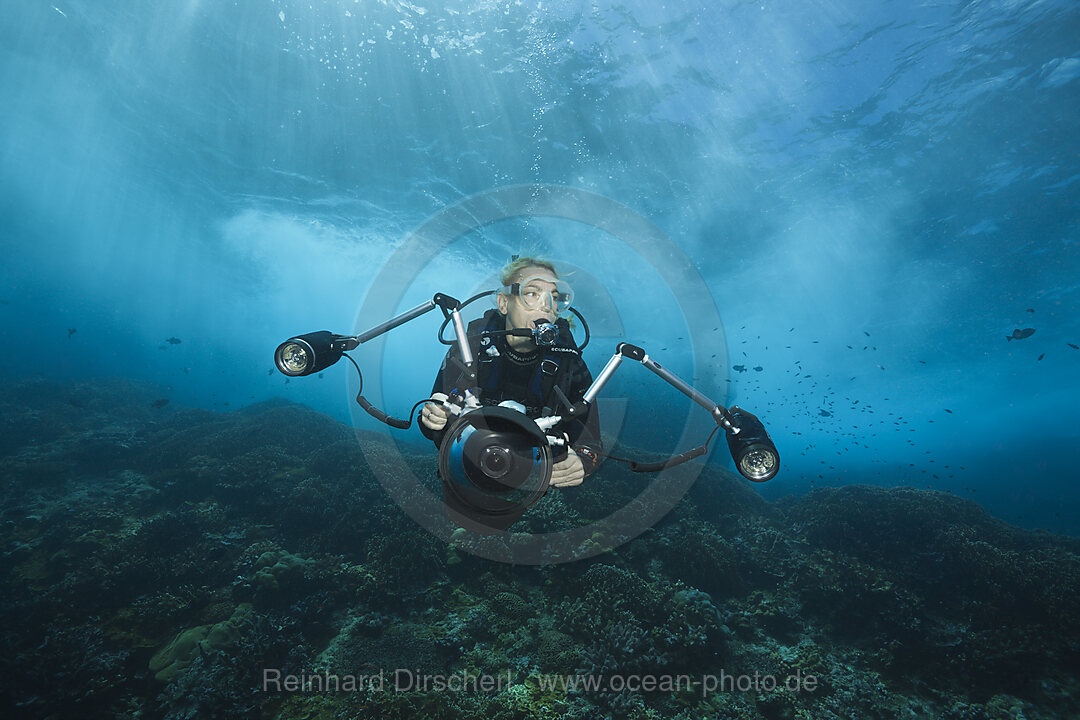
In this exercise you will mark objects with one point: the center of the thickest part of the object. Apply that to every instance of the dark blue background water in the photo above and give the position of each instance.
(875, 194)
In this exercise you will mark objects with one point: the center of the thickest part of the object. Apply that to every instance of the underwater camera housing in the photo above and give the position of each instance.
(495, 463)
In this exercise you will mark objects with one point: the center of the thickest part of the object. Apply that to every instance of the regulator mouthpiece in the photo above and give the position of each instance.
(545, 334)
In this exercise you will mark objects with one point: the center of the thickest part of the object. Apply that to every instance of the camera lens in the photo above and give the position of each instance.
(495, 461)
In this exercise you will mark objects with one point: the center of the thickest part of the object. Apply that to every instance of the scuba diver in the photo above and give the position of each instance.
(513, 408)
(515, 371)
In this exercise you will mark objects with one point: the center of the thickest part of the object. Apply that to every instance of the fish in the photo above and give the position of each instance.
(738, 368)
(1042, 356)
(71, 331)
(1031, 309)
(866, 333)
(159, 403)
(173, 341)
(758, 368)
(825, 413)
(1074, 347)
(1020, 334)
(948, 411)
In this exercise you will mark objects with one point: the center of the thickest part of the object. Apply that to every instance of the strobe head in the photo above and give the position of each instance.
(310, 353)
(495, 463)
(751, 447)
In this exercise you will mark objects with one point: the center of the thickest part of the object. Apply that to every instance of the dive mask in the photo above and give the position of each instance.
(543, 290)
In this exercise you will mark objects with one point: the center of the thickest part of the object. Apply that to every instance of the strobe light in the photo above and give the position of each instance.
(751, 447)
(310, 353)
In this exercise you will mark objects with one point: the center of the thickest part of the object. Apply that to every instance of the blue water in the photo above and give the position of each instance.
(898, 178)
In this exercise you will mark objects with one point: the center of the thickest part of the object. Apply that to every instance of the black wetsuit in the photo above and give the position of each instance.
(528, 378)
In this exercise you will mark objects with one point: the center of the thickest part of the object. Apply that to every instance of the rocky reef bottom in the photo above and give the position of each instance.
(162, 562)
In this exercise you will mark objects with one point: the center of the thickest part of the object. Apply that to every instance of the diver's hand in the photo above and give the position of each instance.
(569, 471)
(434, 416)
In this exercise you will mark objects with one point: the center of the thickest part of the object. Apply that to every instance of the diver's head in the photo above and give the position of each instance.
(531, 291)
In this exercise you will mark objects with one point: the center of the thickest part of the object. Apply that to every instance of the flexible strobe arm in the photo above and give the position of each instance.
(751, 448)
(313, 352)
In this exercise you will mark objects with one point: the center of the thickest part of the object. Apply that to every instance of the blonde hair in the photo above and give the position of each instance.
(513, 269)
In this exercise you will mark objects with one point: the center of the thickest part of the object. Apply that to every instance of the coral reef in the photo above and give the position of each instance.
(166, 563)
(172, 660)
